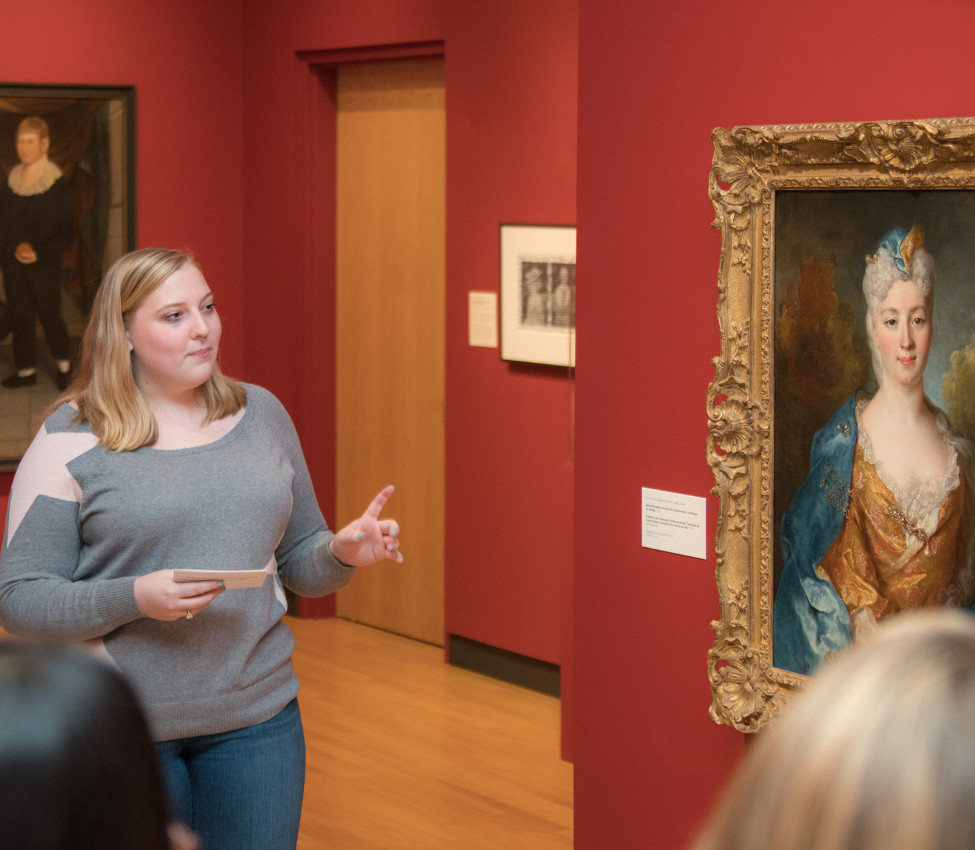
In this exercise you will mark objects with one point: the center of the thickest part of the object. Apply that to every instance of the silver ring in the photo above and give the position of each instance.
(189, 616)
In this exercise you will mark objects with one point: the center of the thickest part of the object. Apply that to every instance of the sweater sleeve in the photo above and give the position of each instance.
(306, 565)
(39, 598)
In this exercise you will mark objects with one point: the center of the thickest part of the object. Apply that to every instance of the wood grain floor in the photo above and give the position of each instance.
(407, 752)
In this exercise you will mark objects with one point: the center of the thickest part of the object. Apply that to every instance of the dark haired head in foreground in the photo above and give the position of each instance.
(77, 767)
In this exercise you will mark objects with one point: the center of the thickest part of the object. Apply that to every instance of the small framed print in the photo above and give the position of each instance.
(538, 294)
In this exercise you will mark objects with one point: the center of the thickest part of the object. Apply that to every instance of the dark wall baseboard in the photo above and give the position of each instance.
(501, 664)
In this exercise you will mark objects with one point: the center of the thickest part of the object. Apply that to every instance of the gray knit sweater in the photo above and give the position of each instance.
(84, 522)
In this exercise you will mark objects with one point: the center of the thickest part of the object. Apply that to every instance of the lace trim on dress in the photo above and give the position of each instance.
(49, 175)
(917, 497)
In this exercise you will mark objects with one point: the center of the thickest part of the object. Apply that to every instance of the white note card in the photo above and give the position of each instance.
(673, 522)
(232, 579)
(482, 319)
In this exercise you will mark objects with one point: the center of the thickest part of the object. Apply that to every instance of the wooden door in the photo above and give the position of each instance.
(390, 332)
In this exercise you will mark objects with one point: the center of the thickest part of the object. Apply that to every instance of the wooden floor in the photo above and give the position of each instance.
(407, 752)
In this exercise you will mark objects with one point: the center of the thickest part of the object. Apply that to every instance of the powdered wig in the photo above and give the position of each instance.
(877, 754)
(105, 390)
(900, 256)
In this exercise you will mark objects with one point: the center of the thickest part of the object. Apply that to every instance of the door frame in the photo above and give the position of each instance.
(315, 132)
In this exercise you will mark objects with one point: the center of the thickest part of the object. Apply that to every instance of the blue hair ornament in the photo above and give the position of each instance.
(901, 246)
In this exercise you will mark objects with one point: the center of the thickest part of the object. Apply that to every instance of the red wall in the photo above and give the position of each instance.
(511, 89)
(511, 157)
(655, 79)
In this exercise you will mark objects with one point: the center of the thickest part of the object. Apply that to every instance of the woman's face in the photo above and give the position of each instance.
(174, 335)
(902, 333)
(31, 147)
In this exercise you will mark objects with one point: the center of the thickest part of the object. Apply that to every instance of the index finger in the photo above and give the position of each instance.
(376, 505)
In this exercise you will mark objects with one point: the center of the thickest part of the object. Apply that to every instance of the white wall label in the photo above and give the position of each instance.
(482, 319)
(673, 522)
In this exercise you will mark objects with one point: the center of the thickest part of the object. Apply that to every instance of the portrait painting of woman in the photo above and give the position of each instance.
(882, 522)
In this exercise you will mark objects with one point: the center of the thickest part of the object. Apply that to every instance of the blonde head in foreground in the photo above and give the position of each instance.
(877, 754)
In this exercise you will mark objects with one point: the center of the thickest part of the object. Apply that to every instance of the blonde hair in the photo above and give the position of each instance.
(33, 124)
(878, 754)
(105, 391)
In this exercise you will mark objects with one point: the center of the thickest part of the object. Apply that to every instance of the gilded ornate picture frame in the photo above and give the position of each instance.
(799, 207)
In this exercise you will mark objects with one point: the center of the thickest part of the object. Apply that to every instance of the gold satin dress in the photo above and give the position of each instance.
(897, 552)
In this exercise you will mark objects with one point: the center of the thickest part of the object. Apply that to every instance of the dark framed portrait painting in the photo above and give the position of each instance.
(847, 272)
(67, 211)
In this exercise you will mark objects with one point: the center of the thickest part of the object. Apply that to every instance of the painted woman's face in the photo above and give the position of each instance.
(902, 332)
(31, 147)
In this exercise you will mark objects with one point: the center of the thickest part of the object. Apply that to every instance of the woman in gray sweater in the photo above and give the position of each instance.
(155, 463)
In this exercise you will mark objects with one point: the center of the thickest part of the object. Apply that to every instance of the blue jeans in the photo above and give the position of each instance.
(240, 790)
